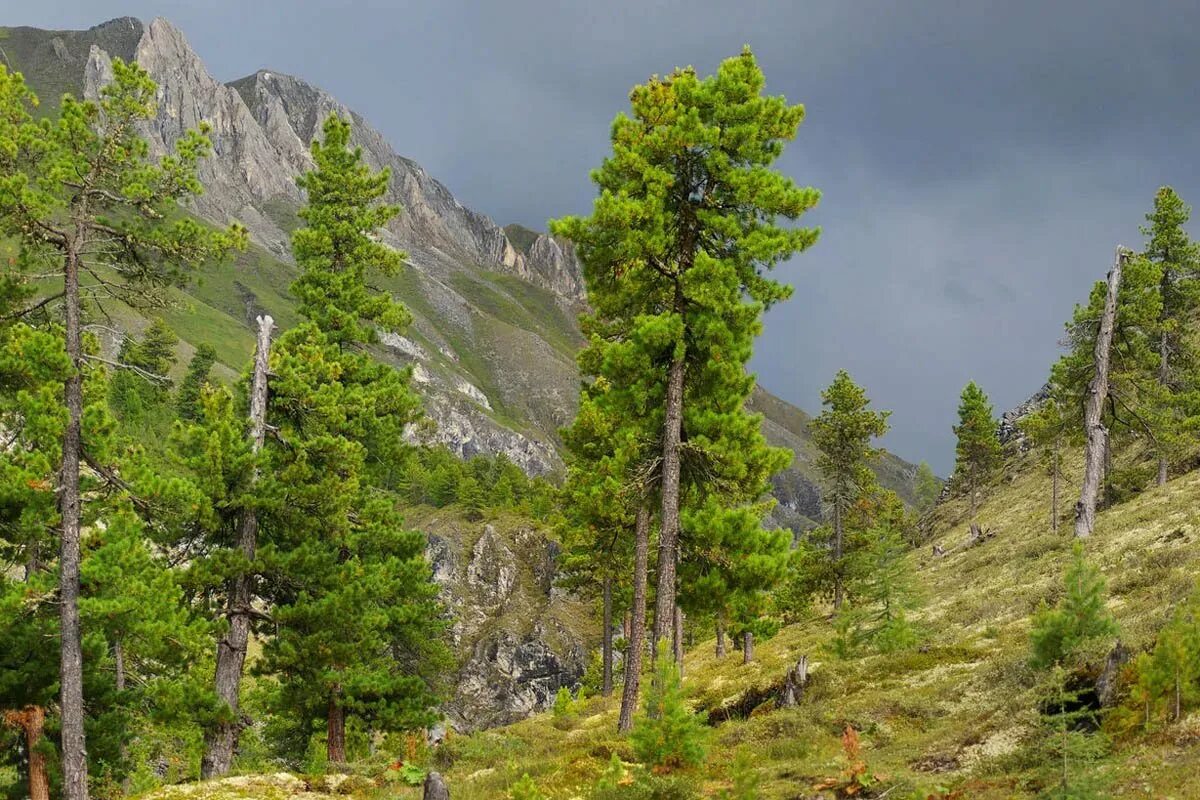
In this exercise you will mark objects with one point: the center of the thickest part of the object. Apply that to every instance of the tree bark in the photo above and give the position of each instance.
(838, 547)
(1054, 489)
(720, 637)
(637, 632)
(607, 688)
(668, 537)
(747, 647)
(335, 733)
(221, 741)
(32, 722)
(1097, 435)
(119, 664)
(1164, 369)
(74, 745)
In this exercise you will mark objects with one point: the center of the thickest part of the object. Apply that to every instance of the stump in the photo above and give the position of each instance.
(793, 684)
(435, 787)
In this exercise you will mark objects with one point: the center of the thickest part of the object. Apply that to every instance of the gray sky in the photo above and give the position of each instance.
(979, 161)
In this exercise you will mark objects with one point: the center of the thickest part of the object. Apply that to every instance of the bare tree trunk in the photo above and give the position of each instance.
(747, 647)
(627, 626)
(720, 636)
(119, 664)
(32, 722)
(335, 733)
(668, 537)
(1164, 369)
(837, 556)
(74, 745)
(1054, 489)
(637, 632)
(1097, 436)
(678, 639)
(221, 741)
(607, 688)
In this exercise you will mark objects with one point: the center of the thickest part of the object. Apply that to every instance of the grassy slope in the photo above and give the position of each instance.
(959, 711)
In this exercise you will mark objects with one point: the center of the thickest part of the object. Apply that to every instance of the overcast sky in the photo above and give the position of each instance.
(979, 161)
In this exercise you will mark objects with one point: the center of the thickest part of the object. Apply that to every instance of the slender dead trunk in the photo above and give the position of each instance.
(1097, 435)
(747, 647)
(678, 639)
(837, 556)
(668, 537)
(1054, 488)
(637, 628)
(607, 688)
(221, 741)
(626, 626)
(74, 745)
(335, 733)
(720, 636)
(32, 722)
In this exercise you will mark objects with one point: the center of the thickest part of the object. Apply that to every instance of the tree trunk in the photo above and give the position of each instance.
(720, 637)
(1097, 436)
(637, 632)
(747, 647)
(678, 639)
(668, 537)
(335, 733)
(32, 722)
(974, 495)
(221, 741)
(1164, 369)
(607, 688)
(119, 664)
(627, 627)
(837, 556)
(1054, 489)
(74, 746)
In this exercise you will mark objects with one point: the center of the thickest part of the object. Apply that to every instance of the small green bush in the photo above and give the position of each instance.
(667, 735)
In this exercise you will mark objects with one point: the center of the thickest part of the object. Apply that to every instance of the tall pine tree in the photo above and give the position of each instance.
(679, 242)
(977, 451)
(82, 197)
(843, 434)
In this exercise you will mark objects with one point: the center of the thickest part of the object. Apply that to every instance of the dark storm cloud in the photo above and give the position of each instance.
(979, 161)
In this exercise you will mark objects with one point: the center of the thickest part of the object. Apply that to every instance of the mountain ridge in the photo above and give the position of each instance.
(494, 334)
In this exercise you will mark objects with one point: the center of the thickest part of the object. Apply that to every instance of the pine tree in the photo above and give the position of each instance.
(1171, 671)
(678, 245)
(80, 194)
(842, 434)
(194, 380)
(927, 487)
(1130, 412)
(142, 381)
(668, 735)
(1047, 432)
(1178, 260)
(358, 623)
(1061, 639)
(1080, 619)
(977, 452)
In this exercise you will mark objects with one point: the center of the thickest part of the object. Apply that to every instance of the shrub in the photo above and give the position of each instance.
(525, 789)
(667, 735)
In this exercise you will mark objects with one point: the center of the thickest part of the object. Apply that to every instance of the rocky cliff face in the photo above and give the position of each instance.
(520, 637)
